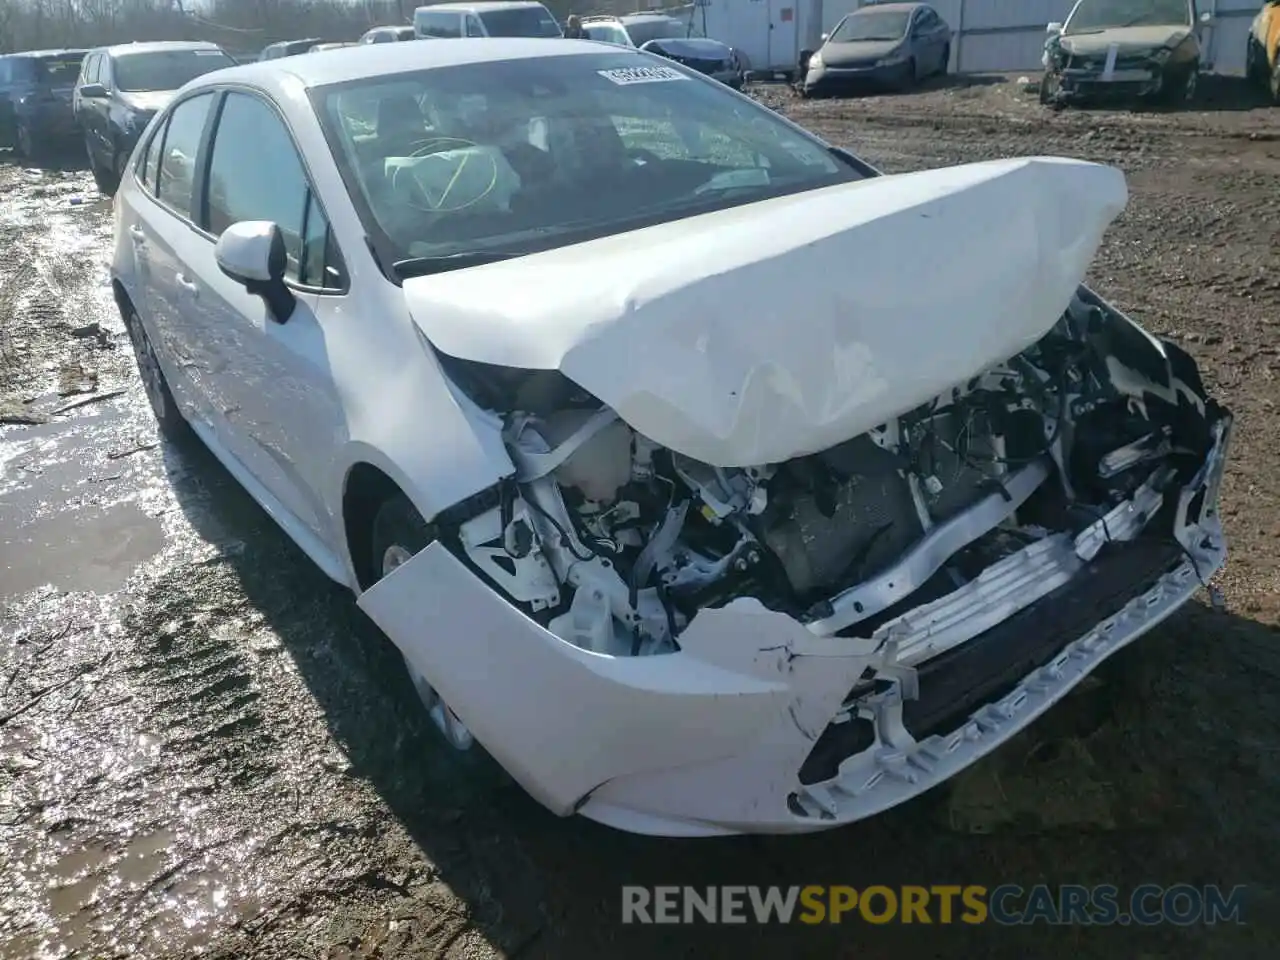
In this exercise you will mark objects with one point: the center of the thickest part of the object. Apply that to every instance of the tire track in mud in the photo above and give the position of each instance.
(202, 686)
(52, 283)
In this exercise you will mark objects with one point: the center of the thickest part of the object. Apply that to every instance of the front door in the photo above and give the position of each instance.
(272, 381)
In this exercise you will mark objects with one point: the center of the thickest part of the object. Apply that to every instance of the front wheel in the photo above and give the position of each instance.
(101, 178)
(1274, 84)
(399, 532)
(945, 65)
(25, 143)
(910, 76)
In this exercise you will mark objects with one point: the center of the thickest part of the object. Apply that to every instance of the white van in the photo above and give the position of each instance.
(509, 18)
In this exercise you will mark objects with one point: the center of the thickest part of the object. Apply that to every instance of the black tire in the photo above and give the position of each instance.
(1252, 70)
(23, 144)
(172, 424)
(397, 526)
(945, 66)
(101, 179)
(1273, 84)
(910, 77)
(1181, 87)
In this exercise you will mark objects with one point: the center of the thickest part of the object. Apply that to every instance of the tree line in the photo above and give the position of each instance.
(242, 27)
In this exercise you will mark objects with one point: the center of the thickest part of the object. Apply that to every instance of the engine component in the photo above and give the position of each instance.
(600, 461)
(851, 524)
(510, 558)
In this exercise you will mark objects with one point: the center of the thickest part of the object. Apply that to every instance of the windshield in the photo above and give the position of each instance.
(871, 26)
(522, 155)
(520, 22)
(607, 33)
(59, 72)
(1095, 15)
(657, 28)
(165, 69)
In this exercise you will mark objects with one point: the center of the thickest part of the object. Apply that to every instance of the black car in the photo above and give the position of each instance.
(121, 88)
(715, 59)
(35, 100)
(288, 48)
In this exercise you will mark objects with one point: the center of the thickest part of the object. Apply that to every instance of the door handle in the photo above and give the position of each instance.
(188, 285)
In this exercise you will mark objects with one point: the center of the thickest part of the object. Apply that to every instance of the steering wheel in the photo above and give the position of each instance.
(416, 192)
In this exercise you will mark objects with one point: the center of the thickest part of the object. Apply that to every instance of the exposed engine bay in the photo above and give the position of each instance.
(614, 543)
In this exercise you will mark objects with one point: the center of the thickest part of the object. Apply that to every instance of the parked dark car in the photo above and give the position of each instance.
(35, 100)
(890, 45)
(715, 59)
(121, 88)
(288, 48)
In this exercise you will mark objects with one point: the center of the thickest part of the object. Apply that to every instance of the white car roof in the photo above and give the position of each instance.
(369, 60)
(482, 5)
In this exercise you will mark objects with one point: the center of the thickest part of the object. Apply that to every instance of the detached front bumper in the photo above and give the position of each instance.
(1123, 84)
(717, 738)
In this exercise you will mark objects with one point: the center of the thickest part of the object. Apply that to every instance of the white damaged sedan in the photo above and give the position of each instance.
(710, 480)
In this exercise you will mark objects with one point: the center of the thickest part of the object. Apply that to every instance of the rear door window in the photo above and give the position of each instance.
(149, 167)
(177, 166)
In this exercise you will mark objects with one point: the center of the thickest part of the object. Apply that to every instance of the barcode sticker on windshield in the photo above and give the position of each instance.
(628, 75)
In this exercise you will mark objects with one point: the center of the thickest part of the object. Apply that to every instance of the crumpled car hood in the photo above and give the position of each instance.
(857, 51)
(1126, 39)
(776, 329)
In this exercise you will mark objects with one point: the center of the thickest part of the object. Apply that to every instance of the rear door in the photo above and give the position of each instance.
(168, 234)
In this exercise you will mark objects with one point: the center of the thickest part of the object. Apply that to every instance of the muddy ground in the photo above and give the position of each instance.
(204, 748)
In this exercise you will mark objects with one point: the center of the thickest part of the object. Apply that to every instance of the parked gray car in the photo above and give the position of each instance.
(886, 44)
(1124, 49)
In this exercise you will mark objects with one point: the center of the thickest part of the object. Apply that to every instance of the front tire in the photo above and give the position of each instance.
(945, 65)
(910, 75)
(1273, 84)
(25, 144)
(399, 532)
(172, 424)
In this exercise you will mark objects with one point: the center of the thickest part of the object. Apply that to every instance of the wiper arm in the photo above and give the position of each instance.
(427, 266)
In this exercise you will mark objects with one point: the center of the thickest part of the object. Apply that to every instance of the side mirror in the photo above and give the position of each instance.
(93, 91)
(825, 37)
(1206, 17)
(252, 253)
(1053, 29)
